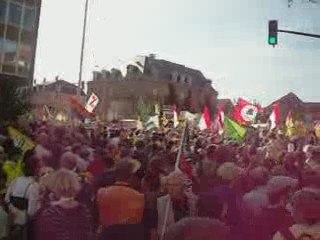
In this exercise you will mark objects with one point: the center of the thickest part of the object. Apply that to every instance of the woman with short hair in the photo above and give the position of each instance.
(65, 218)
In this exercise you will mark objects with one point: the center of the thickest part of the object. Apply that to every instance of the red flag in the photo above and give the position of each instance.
(275, 116)
(205, 121)
(79, 108)
(245, 112)
(185, 166)
(218, 124)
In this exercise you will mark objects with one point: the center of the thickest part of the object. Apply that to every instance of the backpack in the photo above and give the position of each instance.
(287, 234)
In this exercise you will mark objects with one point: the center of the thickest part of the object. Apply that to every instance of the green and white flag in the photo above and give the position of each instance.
(233, 131)
(152, 123)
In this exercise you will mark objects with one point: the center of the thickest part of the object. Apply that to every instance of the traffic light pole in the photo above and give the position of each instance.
(300, 33)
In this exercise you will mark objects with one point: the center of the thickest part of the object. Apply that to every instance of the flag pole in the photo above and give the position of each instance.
(181, 147)
(163, 231)
(84, 31)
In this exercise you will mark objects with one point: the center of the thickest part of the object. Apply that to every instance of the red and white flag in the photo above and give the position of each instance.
(275, 116)
(218, 123)
(92, 103)
(175, 117)
(245, 112)
(205, 121)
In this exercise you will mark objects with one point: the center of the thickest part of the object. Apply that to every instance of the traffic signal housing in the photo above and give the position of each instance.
(273, 32)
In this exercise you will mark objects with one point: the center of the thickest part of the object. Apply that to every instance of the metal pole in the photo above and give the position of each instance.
(83, 45)
(300, 33)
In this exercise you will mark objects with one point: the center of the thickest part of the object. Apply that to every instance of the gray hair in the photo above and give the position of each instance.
(198, 228)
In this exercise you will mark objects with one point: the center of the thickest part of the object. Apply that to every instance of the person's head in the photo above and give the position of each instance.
(198, 229)
(124, 170)
(306, 206)
(43, 139)
(259, 176)
(76, 148)
(279, 189)
(68, 161)
(64, 183)
(228, 172)
(175, 184)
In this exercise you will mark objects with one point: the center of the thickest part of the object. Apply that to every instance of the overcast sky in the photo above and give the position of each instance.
(226, 40)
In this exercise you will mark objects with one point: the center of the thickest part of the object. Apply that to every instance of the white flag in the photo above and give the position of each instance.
(92, 103)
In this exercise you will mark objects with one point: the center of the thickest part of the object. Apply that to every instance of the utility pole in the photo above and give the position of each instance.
(83, 45)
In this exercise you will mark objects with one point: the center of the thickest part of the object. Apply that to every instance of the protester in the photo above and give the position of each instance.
(198, 228)
(64, 218)
(306, 213)
(22, 197)
(110, 183)
(121, 207)
(176, 205)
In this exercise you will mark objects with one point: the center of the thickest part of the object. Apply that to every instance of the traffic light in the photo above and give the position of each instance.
(273, 32)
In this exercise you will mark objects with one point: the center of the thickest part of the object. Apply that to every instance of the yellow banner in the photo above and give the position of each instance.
(20, 140)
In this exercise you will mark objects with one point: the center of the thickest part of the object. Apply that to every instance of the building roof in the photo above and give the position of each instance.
(165, 69)
(224, 101)
(290, 99)
(312, 106)
(62, 85)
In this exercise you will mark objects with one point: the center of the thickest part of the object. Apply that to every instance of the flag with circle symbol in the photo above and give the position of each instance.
(245, 112)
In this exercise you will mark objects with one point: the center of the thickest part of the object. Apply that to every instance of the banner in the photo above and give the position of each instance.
(20, 140)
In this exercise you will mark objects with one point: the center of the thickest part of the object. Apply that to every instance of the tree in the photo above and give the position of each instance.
(143, 110)
(13, 101)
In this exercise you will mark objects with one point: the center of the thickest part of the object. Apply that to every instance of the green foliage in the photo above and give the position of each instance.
(13, 101)
(143, 110)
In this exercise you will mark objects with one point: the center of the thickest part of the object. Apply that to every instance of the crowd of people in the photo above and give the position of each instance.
(118, 184)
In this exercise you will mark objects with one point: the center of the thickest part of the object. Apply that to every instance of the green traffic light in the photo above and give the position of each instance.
(272, 40)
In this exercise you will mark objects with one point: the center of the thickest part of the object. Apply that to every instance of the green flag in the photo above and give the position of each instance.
(233, 131)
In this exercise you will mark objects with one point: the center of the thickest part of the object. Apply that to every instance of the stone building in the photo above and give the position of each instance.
(307, 111)
(54, 97)
(154, 80)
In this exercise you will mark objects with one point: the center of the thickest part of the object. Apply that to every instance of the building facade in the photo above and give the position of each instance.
(54, 99)
(19, 23)
(307, 111)
(157, 82)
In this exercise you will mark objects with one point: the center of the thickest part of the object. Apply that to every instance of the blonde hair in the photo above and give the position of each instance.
(64, 183)
(176, 177)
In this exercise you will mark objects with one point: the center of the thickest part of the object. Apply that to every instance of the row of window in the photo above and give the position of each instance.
(15, 14)
(181, 78)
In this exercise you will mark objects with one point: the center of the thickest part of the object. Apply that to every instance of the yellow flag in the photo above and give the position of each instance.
(317, 128)
(20, 140)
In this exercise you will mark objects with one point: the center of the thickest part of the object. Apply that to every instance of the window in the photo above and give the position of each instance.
(15, 13)
(3, 9)
(29, 18)
(9, 49)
